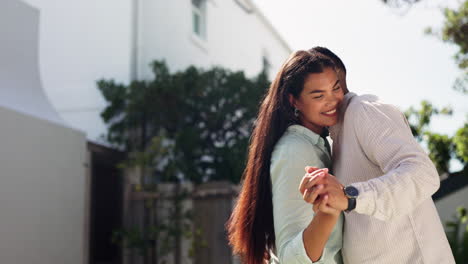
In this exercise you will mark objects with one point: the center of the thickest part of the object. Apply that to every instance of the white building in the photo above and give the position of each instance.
(453, 193)
(84, 41)
(42, 159)
(52, 53)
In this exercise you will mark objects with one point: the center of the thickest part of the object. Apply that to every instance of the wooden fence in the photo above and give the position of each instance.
(178, 224)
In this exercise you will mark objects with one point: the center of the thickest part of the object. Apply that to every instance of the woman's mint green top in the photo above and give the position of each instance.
(297, 148)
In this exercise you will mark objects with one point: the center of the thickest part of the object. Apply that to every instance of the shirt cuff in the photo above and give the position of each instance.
(300, 254)
(365, 202)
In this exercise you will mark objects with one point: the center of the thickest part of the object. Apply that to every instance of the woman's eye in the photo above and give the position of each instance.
(318, 97)
(337, 88)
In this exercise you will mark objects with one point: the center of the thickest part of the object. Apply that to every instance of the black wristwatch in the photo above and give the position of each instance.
(352, 193)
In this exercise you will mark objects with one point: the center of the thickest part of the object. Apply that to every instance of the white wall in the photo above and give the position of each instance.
(20, 83)
(42, 186)
(42, 159)
(234, 38)
(83, 41)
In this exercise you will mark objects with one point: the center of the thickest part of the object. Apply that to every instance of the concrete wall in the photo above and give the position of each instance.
(42, 159)
(42, 186)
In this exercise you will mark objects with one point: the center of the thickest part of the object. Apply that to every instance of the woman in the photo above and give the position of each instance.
(270, 217)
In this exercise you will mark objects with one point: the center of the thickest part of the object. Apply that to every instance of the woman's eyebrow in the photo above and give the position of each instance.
(321, 91)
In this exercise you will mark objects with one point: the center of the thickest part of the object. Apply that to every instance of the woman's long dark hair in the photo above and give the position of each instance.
(250, 228)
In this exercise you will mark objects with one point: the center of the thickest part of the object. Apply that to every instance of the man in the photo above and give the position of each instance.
(388, 181)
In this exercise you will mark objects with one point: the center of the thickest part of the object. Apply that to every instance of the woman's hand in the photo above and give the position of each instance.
(311, 185)
(327, 185)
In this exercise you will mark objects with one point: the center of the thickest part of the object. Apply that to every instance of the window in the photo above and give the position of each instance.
(199, 18)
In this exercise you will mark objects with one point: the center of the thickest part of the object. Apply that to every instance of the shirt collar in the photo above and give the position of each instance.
(335, 130)
(314, 137)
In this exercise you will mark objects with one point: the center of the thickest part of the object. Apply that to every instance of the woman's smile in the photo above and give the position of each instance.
(331, 113)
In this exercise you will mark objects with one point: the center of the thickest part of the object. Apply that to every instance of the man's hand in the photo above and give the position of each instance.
(321, 205)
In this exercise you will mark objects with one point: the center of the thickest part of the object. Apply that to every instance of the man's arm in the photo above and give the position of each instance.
(409, 175)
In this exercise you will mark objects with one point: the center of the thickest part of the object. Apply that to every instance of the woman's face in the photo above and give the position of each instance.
(319, 100)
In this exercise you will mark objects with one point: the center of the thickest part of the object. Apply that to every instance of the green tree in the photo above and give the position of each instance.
(399, 3)
(457, 234)
(193, 125)
(204, 116)
(461, 143)
(442, 148)
(455, 31)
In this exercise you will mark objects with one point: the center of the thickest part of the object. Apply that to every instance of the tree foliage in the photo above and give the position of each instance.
(399, 3)
(203, 116)
(441, 147)
(455, 31)
(460, 141)
(457, 234)
(421, 118)
(440, 150)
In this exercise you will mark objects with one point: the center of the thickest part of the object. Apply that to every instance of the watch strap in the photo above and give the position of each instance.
(351, 204)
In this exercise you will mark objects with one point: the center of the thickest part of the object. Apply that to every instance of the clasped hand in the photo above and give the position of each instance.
(323, 190)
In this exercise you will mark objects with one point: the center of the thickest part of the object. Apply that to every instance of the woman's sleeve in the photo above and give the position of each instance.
(291, 213)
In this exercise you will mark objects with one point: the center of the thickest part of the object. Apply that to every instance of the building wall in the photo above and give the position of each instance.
(234, 38)
(84, 41)
(81, 42)
(53, 52)
(20, 82)
(41, 191)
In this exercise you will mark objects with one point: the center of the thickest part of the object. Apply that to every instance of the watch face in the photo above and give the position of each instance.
(351, 191)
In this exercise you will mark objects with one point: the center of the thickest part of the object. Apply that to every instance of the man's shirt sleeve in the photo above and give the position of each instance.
(409, 175)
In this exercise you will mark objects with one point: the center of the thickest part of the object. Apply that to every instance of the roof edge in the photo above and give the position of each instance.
(270, 26)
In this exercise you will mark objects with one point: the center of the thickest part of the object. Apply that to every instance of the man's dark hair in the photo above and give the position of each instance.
(331, 55)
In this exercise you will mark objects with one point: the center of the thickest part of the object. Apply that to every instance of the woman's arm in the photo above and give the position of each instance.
(301, 235)
(316, 234)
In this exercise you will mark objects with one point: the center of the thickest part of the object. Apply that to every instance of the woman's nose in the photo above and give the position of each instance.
(333, 100)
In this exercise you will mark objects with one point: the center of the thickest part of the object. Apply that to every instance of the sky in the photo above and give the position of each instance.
(385, 50)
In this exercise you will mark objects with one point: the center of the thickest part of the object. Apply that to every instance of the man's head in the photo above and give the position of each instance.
(341, 69)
